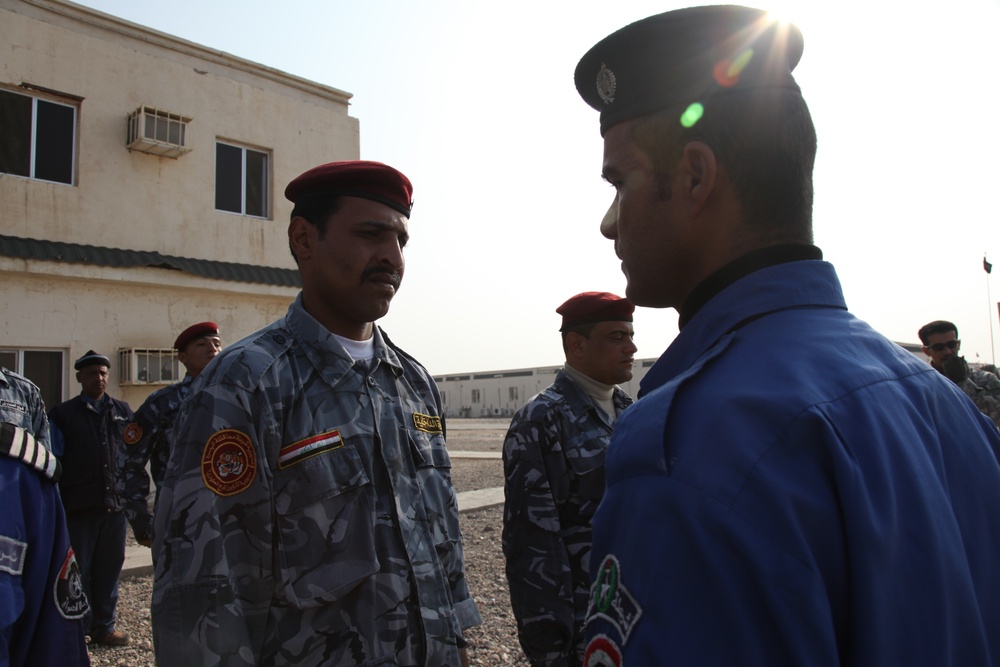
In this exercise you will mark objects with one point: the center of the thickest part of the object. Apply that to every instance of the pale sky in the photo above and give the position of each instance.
(475, 102)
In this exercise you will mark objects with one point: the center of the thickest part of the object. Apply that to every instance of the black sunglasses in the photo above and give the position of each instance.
(951, 345)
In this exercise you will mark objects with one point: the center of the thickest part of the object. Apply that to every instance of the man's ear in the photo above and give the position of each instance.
(700, 172)
(575, 343)
(301, 235)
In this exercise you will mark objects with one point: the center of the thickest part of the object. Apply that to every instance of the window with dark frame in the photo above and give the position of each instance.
(43, 367)
(241, 180)
(37, 137)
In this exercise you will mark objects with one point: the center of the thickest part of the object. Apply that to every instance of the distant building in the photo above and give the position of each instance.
(141, 181)
(501, 393)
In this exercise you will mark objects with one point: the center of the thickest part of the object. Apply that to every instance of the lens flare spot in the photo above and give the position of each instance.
(692, 114)
(727, 72)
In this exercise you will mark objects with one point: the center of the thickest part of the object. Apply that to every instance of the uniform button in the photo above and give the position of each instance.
(371, 380)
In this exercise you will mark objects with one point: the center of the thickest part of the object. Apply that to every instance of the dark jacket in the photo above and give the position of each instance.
(92, 439)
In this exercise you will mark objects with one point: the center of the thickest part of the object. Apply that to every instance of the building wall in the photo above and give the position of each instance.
(63, 52)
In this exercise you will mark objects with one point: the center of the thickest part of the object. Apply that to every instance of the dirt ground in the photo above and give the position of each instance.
(476, 435)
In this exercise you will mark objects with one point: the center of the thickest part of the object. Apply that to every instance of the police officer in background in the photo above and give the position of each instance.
(791, 488)
(553, 459)
(89, 429)
(307, 515)
(42, 604)
(147, 438)
(942, 345)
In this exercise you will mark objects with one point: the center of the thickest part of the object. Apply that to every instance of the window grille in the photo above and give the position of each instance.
(157, 132)
(143, 366)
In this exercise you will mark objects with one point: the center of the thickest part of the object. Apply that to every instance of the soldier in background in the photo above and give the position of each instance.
(42, 604)
(941, 343)
(308, 515)
(89, 428)
(147, 438)
(553, 459)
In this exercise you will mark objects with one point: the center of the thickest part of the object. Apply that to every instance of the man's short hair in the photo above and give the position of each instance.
(935, 327)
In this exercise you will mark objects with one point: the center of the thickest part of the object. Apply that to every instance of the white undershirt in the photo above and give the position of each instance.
(602, 394)
(358, 350)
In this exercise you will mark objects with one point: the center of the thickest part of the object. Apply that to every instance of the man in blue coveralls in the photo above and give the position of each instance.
(791, 488)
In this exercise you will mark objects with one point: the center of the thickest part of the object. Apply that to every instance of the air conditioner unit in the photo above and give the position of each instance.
(157, 132)
(143, 366)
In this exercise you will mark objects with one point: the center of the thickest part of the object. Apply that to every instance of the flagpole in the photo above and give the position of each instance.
(989, 269)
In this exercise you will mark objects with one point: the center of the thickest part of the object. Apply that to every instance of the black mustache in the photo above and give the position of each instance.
(393, 276)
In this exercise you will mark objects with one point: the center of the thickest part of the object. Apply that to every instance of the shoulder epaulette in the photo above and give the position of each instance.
(20, 444)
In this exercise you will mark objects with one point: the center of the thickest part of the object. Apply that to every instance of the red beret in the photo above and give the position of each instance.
(589, 307)
(194, 332)
(355, 178)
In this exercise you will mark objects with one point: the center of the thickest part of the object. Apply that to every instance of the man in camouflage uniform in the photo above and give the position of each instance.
(42, 604)
(554, 468)
(308, 515)
(147, 437)
(941, 343)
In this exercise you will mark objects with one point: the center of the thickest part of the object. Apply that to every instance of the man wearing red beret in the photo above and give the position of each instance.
(309, 516)
(554, 468)
(147, 437)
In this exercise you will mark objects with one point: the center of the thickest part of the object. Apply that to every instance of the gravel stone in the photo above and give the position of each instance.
(492, 644)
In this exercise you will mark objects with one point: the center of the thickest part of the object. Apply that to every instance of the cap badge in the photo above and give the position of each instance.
(606, 84)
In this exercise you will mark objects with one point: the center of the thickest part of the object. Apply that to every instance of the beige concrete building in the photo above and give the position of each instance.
(141, 181)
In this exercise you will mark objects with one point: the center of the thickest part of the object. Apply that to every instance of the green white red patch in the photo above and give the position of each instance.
(228, 464)
(312, 446)
(132, 434)
(611, 601)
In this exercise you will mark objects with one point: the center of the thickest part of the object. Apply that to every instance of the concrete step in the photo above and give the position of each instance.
(139, 561)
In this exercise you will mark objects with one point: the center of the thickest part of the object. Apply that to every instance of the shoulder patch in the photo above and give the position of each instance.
(68, 589)
(309, 447)
(8, 404)
(132, 434)
(20, 444)
(611, 601)
(427, 423)
(228, 464)
(12, 554)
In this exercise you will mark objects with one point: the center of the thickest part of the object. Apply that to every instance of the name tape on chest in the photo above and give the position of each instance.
(309, 447)
(228, 463)
(12, 553)
(427, 423)
(7, 404)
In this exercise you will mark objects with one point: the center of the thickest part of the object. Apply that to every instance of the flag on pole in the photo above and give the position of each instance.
(987, 267)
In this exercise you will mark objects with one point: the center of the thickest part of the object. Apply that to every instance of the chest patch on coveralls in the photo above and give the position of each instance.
(228, 464)
(311, 446)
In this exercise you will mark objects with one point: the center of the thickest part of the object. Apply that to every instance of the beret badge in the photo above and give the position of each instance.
(606, 84)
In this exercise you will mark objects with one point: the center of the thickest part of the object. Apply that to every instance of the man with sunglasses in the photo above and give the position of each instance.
(942, 344)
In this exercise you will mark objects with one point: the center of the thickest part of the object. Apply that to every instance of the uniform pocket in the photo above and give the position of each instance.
(325, 536)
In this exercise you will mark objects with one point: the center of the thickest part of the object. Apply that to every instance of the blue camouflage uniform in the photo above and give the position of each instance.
(792, 488)
(983, 388)
(147, 439)
(308, 515)
(553, 458)
(41, 596)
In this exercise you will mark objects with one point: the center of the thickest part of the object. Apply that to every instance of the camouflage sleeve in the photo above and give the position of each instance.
(538, 568)
(213, 534)
(133, 480)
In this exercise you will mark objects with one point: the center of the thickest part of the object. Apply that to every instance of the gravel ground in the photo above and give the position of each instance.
(493, 644)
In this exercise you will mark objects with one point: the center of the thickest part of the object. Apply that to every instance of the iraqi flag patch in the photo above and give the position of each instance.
(311, 446)
(228, 464)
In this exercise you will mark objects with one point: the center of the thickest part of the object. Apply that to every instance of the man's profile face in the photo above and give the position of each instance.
(942, 346)
(351, 274)
(199, 352)
(643, 223)
(608, 354)
(93, 380)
